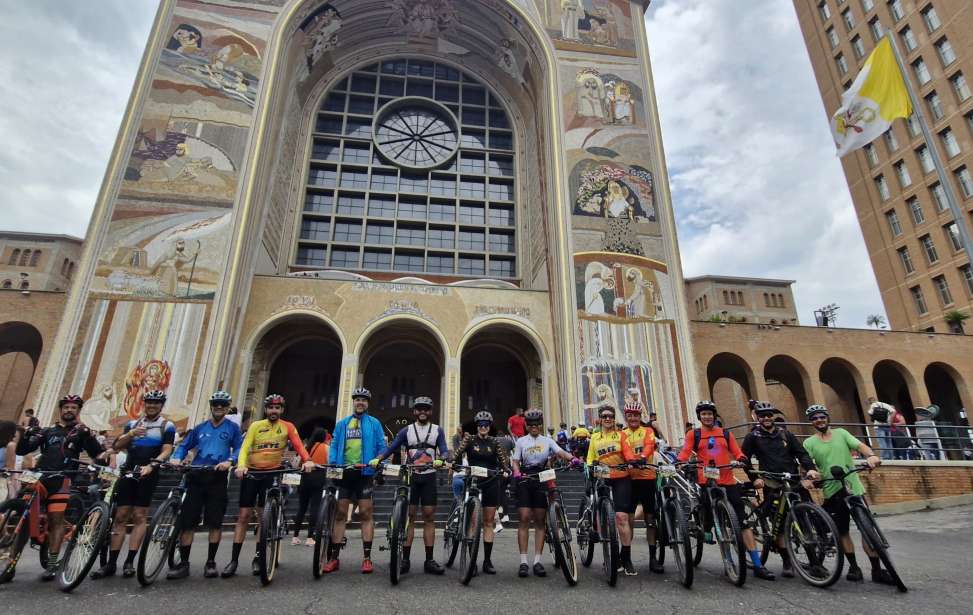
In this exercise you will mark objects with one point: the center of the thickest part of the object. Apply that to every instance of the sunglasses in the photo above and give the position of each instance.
(220, 405)
(535, 424)
(484, 424)
(605, 417)
(819, 417)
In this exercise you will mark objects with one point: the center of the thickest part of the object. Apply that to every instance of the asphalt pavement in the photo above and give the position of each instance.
(931, 548)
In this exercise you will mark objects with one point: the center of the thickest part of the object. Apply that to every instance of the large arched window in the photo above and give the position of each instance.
(412, 169)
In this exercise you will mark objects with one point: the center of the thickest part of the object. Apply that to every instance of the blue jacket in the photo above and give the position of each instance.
(372, 441)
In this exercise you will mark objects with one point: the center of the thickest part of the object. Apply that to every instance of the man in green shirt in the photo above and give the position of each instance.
(833, 447)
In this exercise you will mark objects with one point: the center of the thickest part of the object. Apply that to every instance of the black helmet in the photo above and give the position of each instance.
(483, 416)
(534, 416)
(764, 407)
(705, 405)
(422, 401)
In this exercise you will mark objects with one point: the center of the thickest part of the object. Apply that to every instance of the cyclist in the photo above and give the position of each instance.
(722, 449)
(148, 441)
(532, 454)
(216, 442)
(642, 440)
(357, 438)
(777, 450)
(60, 446)
(422, 441)
(262, 449)
(485, 451)
(610, 447)
(581, 443)
(831, 447)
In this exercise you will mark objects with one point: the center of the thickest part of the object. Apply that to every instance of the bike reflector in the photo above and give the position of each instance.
(711, 472)
(667, 471)
(479, 472)
(335, 473)
(392, 469)
(547, 475)
(292, 479)
(601, 471)
(29, 478)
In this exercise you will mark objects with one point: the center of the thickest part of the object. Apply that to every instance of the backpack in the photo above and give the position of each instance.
(698, 435)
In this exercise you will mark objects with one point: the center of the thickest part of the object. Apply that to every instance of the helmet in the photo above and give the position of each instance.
(705, 405)
(70, 398)
(633, 408)
(422, 401)
(581, 432)
(361, 392)
(483, 416)
(156, 395)
(815, 410)
(752, 404)
(764, 407)
(220, 398)
(534, 416)
(274, 399)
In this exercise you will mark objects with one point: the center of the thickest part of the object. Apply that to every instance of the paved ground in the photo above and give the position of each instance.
(932, 549)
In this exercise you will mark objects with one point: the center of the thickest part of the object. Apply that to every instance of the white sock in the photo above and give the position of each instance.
(523, 559)
(537, 559)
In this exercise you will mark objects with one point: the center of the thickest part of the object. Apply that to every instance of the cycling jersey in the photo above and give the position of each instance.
(610, 448)
(715, 445)
(142, 450)
(642, 442)
(421, 443)
(534, 452)
(60, 446)
(214, 444)
(776, 451)
(484, 452)
(266, 441)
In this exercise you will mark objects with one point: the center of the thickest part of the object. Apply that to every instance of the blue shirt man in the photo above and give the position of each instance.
(214, 444)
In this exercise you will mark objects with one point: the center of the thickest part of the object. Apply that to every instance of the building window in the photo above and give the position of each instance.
(24, 258)
(960, 87)
(965, 181)
(919, 300)
(945, 51)
(935, 105)
(344, 258)
(913, 124)
(842, 63)
(780, 301)
(942, 289)
(906, 259)
(875, 27)
(925, 159)
(967, 272)
(312, 257)
(871, 155)
(931, 18)
(379, 233)
(952, 234)
(890, 141)
(71, 270)
(14, 256)
(893, 219)
(896, 10)
(726, 298)
(868, 5)
(939, 197)
(380, 260)
(950, 144)
(908, 39)
(824, 10)
(858, 46)
(849, 19)
(902, 173)
(832, 37)
(315, 230)
(915, 208)
(883, 188)
(922, 71)
(929, 249)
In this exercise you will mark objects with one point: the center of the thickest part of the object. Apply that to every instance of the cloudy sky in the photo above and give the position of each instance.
(757, 188)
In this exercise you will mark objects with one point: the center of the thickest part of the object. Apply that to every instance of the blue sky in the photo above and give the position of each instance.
(756, 186)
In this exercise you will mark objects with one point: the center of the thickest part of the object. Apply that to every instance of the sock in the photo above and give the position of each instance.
(786, 558)
(235, 556)
(523, 559)
(113, 556)
(852, 562)
(406, 551)
(130, 558)
(487, 550)
(537, 559)
(429, 553)
(184, 553)
(626, 554)
(367, 547)
(876, 563)
(211, 551)
(755, 558)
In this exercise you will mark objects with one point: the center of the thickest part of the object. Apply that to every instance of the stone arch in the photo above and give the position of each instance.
(843, 384)
(947, 389)
(895, 384)
(730, 383)
(21, 345)
(788, 385)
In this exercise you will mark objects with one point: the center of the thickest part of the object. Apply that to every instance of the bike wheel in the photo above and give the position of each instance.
(608, 535)
(873, 535)
(677, 535)
(586, 545)
(268, 548)
(761, 530)
(159, 541)
(727, 529)
(470, 538)
(397, 538)
(812, 541)
(695, 535)
(559, 531)
(323, 531)
(14, 532)
(89, 538)
(451, 533)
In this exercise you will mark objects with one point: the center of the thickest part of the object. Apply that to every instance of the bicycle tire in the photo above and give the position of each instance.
(608, 534)
(695, 535)
(811, 527)
(14, 532)
(323, 531)
(268, 548)
(869, 528)
(89, 539)
(585, 544)
(397, 521)
(677, 535)
(730, 542)
(559, 529)
(473, 517)
(159, 542)
(451, 533)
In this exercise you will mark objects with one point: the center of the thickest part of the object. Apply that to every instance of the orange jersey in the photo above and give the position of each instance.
(319, 453)
(642, 441)
(610, 449)
(264, 446)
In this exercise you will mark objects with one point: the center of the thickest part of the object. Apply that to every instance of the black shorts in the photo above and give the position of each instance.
(622, 493)
(424, 490)
(643, 492)
(253, 490)
(206, 498)
(490, 492)
(136, 491)
(531, 494)
(355, 486)
(839, 511)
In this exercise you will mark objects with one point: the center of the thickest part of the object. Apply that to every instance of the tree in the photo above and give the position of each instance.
(955, 318)
(875, 320)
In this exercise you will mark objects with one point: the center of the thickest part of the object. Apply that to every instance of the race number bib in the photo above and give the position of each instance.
(547, 475)
(29, 478)
(667, 471)
(601, 471)
(392, 469)
(479, 472)
(292, 479)
(335, 473)
(710, 472)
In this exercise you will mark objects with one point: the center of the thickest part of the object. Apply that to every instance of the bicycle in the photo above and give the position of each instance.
(726, 526)
(324, 522)
(866, 522)
(451, 532)
(596, 521)
(558, 530)
(162, 536)
(470, 523)
(673, 523)
(272, 527)
(810, 535)
(399, 522)
(23, 518)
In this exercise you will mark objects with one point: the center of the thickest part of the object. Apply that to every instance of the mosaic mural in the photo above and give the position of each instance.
(600, 26)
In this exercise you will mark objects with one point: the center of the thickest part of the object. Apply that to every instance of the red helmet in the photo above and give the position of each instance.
(633, 408)
(71, 398)
(274, 399)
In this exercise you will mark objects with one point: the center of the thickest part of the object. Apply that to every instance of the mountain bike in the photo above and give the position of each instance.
(809, 533)
(470, 522)
(558, 530)
(596, 521)
(866, 522)
(272, 526)
(726, 526)
(324, 523)
(673, 524)
(398, 525)
(451, 532)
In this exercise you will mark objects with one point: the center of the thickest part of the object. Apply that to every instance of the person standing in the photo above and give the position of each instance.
(516, 424)
(642, 441)
(29, 420)
(311, 487)
(882, 414)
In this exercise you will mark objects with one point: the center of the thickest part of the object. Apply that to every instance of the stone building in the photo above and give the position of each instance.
(741, 299)
(37, 261)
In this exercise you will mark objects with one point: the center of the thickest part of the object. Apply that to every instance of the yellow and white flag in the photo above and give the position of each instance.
(877, 97)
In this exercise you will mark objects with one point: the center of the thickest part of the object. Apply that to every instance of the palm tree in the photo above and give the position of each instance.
(955, 318)
(875, 320)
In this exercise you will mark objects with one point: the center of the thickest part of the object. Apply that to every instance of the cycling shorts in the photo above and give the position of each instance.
(622, 494)
(355, 486)
(136, 491)
(840, 513)
(424, 490)
(253, 490)
(205, 497)
(531, 494)
(643, 492)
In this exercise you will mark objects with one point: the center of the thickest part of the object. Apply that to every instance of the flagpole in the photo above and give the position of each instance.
(958, 215)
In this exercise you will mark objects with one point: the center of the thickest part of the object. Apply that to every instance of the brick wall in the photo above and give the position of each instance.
(896, 482)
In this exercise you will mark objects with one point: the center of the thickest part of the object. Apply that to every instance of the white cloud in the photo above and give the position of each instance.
(756, 186)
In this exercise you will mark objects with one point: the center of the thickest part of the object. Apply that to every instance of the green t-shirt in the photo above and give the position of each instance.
(353, 442)
(835, 452)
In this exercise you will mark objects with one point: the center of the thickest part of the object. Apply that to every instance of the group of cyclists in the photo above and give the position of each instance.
(628, 451)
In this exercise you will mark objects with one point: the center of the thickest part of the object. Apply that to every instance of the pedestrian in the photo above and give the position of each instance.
(234, 417)
(457, 438)
(29, 420)
(311, 487)
(882, 415)
(8, 455)
(516, 424)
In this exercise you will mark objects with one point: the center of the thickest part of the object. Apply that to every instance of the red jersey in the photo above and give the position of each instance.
(517, 426)
(715, 445)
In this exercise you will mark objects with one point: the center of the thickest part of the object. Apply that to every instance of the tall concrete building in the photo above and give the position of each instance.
(911, 234)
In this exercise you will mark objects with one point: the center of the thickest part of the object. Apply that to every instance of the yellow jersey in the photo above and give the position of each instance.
(264, 446)
(610, 449)
(642, 441)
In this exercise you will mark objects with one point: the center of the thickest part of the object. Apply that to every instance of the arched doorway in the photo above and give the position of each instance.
(20, 350)
(398, 362)
(730, 382)
(499, 372)
(299, 358)
(943, 384)
(840, 382)
(787, 387)
(892, 387)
